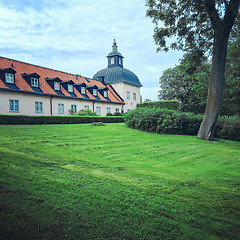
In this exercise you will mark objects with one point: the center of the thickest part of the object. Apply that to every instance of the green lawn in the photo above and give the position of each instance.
(112, 182)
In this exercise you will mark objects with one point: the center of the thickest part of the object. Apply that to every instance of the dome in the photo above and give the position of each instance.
(118, 74)
(115, 72)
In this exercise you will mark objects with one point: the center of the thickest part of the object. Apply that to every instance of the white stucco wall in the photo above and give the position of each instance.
(122, 89)
(27, 104)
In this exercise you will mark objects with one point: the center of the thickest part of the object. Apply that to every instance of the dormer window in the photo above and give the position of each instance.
(34, 82)
(105, 94)
(9, 77)
(83, 90)
(57, 86)
(70, 88)
(94, 92)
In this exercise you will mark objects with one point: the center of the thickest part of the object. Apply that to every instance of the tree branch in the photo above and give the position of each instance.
(212, 13)
(231, 13)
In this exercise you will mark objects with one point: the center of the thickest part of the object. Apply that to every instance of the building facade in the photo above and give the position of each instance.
(124, 81)
(28, 89)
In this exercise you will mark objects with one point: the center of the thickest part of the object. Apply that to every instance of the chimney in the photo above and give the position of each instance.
(101, 78)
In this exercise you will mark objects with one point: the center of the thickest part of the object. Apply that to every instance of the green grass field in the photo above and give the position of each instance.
(112, 182)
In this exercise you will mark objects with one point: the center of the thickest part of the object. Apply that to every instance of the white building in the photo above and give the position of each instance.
(28, 89)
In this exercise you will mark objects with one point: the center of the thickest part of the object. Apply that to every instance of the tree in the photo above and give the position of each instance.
(147, 100)
(199, 26)
(231, 100)
(188, 83)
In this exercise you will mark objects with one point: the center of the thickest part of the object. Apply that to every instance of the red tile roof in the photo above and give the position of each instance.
(21, 83)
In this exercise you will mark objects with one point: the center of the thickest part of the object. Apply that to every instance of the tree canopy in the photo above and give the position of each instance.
(199, 27)
(189, 21)
(188, 83)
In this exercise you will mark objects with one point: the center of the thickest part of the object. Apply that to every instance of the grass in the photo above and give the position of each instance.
(112, 182)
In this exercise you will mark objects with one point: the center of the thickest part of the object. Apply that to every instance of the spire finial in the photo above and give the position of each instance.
(114, 47)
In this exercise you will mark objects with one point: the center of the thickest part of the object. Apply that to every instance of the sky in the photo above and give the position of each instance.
(75, 36)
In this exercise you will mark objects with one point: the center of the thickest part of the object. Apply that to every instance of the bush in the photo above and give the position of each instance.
(109, 114)
(228, 128)
(173, 122)
(87, 112)
(117, 114)
(167, 104)
(31, 120)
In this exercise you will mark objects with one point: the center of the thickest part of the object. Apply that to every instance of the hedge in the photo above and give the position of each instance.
(173, 122)
(167, 104)
(32, 120)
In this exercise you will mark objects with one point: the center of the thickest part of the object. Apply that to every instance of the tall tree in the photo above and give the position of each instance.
(188, 83)
(199, 26)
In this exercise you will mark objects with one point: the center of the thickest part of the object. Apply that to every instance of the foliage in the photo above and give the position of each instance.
(172, 122)
(109, 114)
(117, 114)
(22, 119)
(87, 112)
(113, 182)
(188, 83)
(71, 111)
(147, 100)
(168, 104)
(200, 26)
(190, 21)
(231, 100)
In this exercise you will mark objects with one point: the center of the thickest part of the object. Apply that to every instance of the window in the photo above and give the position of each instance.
(86, 107)
(98, 110)
(60, 108)
(34, 82)
(105, 94)
(128, 110)
(120, 61)
(94, 92)
(128, 95)
(83, 90)
(38, 107)
(108, 110)
(56, 86)
(112, 60)
(70, 88)
(117, 110)
(74, 108)
(134, 96)
(13, 105)
(9, 77)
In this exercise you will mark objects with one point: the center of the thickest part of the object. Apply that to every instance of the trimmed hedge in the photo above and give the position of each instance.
(167, 104)
(173, 122)
(34, 120)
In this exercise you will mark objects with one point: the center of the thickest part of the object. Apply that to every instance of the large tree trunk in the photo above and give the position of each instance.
(216, 87)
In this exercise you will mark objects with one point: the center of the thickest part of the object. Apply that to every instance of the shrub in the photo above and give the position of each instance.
(172, 122)
(117, 114)
(228, 128)
(109, 114)
(71, 111)
(21, 119)
(167, 104)
(87, 112)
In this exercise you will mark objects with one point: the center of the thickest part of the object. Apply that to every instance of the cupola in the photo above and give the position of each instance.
(115, 59)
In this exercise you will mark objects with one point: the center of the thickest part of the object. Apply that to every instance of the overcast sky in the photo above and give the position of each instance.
(75, 36)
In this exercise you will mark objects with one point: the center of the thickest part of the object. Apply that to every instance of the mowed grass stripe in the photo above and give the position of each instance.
(98, 182)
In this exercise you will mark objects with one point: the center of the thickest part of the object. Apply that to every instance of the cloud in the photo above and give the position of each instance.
(76, 35)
